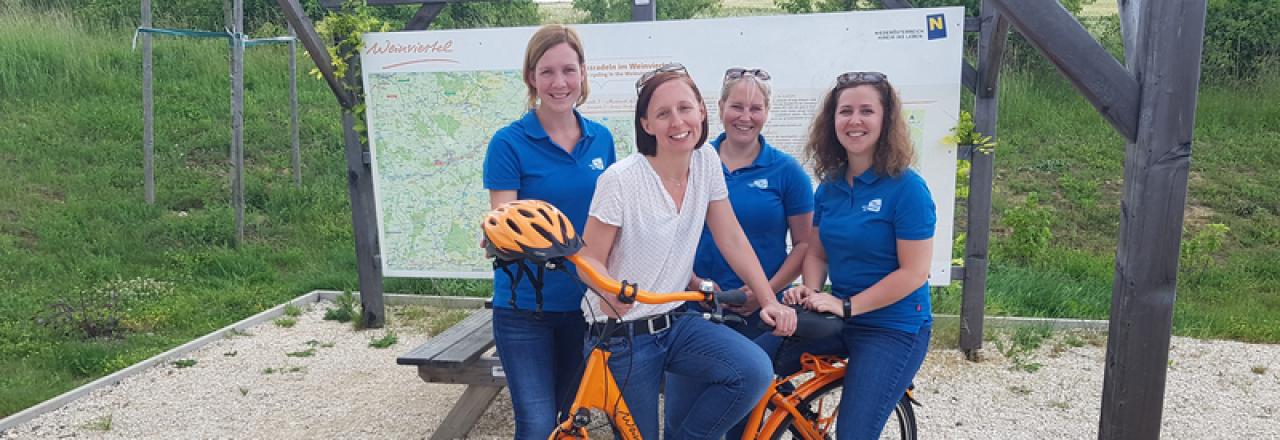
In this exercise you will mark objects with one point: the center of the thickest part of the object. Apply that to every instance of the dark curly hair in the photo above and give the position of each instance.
(894, 152)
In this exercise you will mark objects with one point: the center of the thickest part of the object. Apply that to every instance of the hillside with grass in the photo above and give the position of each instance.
(93, 279)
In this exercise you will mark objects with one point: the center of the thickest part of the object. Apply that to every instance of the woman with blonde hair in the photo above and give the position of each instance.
(554, 154)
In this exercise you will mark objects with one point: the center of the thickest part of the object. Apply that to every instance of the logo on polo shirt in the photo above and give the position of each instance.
(597, 164)
(759, 183)
(872, 206)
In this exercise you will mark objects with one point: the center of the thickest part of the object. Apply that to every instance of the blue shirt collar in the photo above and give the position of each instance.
(766, 157)
(533, 128)
(868, 177)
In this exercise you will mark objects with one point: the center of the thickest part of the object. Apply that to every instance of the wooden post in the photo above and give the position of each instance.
(237, 117)
(1166, 63)
(991, 40)
(644, 10)
(363, 215)
(425, 15)
(296, 157)
(148, 112)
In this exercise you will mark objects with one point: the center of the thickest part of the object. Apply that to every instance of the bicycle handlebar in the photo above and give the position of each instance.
(629, 292)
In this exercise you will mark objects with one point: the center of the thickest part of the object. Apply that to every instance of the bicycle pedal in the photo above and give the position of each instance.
(582, 419)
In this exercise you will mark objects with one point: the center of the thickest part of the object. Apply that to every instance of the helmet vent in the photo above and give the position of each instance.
(514, 227)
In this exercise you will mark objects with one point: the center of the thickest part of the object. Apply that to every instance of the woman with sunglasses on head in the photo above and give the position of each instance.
(552, 154)
(874, 218)
(769, 191)
(771, 196)
(647, 214)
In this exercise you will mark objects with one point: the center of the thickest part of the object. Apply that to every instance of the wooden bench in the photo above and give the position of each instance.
(457, 356)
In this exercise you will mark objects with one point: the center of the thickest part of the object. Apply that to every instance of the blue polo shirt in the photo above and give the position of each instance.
(859, 227)
(522, 157)
(763, 194)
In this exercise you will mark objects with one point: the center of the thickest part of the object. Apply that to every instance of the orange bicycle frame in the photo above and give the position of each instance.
(598, 390)
(825, 371)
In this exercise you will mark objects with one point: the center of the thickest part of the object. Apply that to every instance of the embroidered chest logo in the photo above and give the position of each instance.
(759, 183)
(597, 164)
(872, 206)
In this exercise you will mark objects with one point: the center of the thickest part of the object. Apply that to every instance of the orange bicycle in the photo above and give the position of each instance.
(802, 405)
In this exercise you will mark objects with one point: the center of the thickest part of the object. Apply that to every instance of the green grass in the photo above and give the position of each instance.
(72, 216)
(1053, 143)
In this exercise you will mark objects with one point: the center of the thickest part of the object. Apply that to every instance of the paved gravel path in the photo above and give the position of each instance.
(248, 387)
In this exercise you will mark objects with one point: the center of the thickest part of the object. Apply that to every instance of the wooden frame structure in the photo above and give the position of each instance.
(1150, 101)
(235, 21)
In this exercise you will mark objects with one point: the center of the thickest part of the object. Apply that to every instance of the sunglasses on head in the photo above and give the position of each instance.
(860, 78)
(672, 67)
(739, 72)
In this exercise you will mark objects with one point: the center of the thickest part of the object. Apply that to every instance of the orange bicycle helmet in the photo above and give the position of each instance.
(531, 229)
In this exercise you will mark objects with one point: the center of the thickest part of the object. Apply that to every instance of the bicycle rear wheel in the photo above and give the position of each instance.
(820, 410)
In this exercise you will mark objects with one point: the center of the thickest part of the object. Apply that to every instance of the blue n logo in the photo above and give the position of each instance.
(937, 26)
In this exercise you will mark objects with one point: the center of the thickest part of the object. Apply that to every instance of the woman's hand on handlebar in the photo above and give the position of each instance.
(747, 308)
(780, 317)
(825, 303)
(797, 294)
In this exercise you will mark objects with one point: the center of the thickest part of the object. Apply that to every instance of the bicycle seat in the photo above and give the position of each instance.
(813, 325)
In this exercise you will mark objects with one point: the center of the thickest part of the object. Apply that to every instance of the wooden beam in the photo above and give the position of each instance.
(297, 18)
(1089, 67)
(897, 4)
(237, 116)
(991, 41)
(1169, 42)
(425, 15)
(968, 76)
(148, 112)
(644, 10)
(1128, 11)
(295, 158)
(992, 44)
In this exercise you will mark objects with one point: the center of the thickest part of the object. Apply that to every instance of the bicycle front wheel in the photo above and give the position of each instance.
(821, 408)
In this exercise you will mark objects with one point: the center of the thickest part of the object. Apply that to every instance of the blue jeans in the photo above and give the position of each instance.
(728, 370)
(679, 388)
(541, 356)
(882, 363)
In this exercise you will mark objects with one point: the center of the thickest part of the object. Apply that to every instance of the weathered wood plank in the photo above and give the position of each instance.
(425, 15)
(474, 401)
(991, 41)
(148, 112)
(1167, 63)
(297, 18)
(237, 116)
(1128, 12)
(968, 76)
(469, 348)
(448, 338)
(479, 372)
(1089, 67)
(295, 158)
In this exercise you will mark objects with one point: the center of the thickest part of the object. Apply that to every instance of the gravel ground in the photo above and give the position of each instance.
(248, 387)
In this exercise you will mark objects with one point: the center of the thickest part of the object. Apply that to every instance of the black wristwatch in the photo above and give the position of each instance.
(848, 308)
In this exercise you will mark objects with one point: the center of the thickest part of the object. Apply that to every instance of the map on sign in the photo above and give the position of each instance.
(432, 129)
(435, 98)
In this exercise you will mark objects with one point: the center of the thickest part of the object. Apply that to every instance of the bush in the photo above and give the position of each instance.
(606, 11)
(1030, 231)
(1240, 40)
